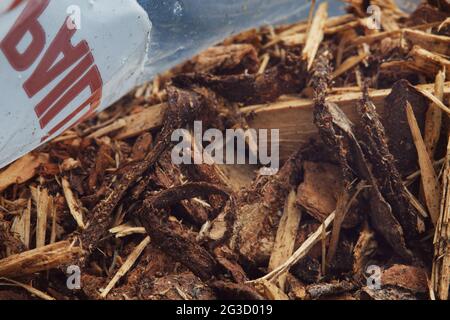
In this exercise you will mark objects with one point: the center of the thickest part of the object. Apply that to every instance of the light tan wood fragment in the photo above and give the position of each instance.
(433, 119)
(72, 202)
(22, 169)
(116, 125)
(428, 62)
(286, 235)
(140, 122)
(39, 259)
(430, 181)
(43, 203)
(348, 64)
(134, 255)
(315, 34)
(294, 117)
(431, 42)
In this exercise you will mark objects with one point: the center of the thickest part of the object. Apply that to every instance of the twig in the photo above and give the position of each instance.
(126, 266)
(30, 289)
(300, 252)
(72, 202)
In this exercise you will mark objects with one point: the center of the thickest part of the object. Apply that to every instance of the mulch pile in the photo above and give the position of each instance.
(358, 210)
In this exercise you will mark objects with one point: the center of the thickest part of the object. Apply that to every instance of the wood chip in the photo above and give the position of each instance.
(140, 122)
(119, 124)
(428, 62)
(431, 42)
(22, 170)
(348, 64)
(429, 179)
(22, 224)
(315, 34)
(433, 119)
(72, 202)
(40, 259)
(286, 235)
(294, 117)
(44, 204)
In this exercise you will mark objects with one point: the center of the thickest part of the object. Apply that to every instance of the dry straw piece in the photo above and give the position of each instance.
(429, 178)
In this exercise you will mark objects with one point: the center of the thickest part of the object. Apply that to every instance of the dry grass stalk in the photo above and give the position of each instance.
(30, 289)
(286, 234)
(22, 170)
(433, 120)
(430, 181)
(435, 100)
(440, 276)
(410, 179)
(126, 266)
(74, 207)
(315, 34)
(40, 259)
(301, 252)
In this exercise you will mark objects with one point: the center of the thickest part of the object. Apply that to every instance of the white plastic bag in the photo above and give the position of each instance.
(61, 61)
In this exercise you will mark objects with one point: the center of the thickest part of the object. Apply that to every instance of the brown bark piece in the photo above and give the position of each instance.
(183, 105)
(252, 88)
(225, 59)
(385, 170)
(319, 190)
(407, 277)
